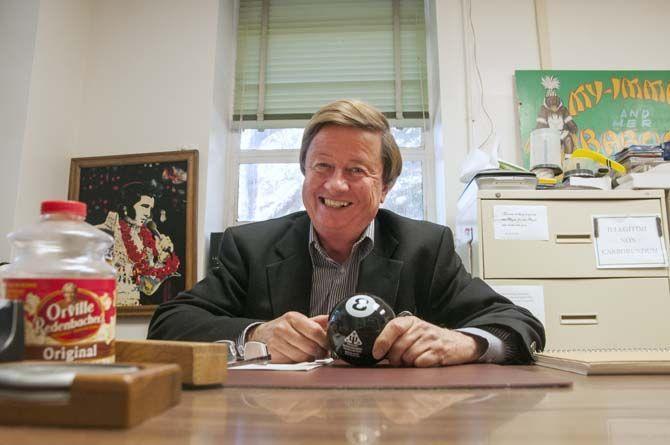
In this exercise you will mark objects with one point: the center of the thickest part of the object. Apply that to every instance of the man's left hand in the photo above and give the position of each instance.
(410, 341)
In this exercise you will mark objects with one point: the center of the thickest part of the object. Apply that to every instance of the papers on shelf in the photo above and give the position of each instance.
(575, 182)
(655, 178)
(304, 366)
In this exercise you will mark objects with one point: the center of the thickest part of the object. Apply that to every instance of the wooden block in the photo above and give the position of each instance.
(200, 363)
(117, 400)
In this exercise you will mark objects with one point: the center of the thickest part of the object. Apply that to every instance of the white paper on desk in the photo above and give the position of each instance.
(529, 297)
(527, 223)
(303, 366)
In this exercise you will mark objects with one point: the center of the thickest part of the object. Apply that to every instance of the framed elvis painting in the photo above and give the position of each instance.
(147, 202)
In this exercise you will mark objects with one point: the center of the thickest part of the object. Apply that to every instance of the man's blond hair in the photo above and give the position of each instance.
(356, 114)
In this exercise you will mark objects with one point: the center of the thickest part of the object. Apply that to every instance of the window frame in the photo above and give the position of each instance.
(236, 156)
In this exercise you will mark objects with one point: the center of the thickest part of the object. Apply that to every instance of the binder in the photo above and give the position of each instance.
(608, 361)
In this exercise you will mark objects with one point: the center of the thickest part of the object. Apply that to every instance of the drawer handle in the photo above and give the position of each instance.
(578, 238)
(579, 319)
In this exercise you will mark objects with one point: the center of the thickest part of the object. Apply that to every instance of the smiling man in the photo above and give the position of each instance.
(277, 280)
(343, 186)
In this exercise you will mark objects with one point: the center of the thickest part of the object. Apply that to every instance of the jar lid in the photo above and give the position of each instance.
(75, 207)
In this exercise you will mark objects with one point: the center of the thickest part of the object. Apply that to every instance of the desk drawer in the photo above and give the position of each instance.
(569, 252)
(603, 313)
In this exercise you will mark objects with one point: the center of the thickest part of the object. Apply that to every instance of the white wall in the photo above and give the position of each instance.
(148, 87)
(18, 22)
(596, 34)
(505, 40)
(220, 131)
(114, 77)
(451, 137)
(608, 34)
(54, 104)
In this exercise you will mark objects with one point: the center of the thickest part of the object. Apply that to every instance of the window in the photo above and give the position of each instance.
(293, 56)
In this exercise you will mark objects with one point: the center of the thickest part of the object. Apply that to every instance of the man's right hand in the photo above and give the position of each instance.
(294, 337)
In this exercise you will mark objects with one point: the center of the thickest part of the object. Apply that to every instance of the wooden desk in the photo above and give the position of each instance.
(598, 410)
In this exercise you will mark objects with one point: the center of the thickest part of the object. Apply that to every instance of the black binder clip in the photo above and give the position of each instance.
(11, 330)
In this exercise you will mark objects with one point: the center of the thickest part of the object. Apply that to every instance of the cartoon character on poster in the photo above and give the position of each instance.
(554, 114)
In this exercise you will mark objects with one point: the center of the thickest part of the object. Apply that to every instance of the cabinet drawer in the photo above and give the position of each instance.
(604, 313)
(569, 252)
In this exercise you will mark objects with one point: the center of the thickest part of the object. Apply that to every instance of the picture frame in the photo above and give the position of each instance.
(148, 203)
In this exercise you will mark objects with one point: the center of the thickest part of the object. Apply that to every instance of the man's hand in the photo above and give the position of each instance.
(410, 341)
(293, 337)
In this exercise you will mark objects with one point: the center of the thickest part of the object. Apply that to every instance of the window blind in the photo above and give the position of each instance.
(294, 56)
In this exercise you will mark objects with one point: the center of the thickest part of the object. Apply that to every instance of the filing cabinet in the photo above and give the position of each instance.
(585, 307)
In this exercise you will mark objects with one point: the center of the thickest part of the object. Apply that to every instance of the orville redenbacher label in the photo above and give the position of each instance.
(67, 319)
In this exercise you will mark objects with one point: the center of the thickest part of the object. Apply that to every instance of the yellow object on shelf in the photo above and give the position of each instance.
(599, 158)
(547, 181)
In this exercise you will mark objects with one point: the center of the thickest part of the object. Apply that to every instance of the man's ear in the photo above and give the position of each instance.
(385, 189)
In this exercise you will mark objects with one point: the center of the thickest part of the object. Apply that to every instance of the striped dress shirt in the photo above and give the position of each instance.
(333, 282)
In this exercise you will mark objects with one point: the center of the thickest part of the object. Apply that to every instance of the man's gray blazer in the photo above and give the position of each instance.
(264, 270)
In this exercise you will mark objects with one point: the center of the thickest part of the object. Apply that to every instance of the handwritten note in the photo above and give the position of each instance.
(629, 241)
(520, 223)
(529, 297)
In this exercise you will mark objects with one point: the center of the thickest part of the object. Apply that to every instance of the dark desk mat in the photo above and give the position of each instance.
(348, 377)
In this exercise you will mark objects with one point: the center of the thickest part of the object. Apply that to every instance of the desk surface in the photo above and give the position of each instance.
(597, 410)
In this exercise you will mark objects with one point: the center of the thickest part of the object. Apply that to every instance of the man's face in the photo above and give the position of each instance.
(343, 185)
(143, 209)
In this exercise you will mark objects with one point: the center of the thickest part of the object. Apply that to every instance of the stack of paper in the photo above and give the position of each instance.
(651, 361)
(655, 178)
(577, 182)
(304, 366)
(637, 158)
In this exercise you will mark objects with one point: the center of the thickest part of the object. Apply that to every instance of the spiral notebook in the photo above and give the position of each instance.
(608, 361)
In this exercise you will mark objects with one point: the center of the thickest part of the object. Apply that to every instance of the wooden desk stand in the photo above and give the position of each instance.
(111, 400)
(200, 363)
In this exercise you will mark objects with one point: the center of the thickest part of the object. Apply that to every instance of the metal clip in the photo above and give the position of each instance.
(232, 350)
(251, 352)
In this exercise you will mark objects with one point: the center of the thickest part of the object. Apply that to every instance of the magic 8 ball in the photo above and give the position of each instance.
(354, 325)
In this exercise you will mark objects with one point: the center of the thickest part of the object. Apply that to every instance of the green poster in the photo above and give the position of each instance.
(603, 111)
